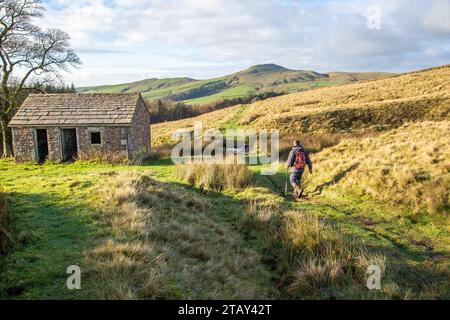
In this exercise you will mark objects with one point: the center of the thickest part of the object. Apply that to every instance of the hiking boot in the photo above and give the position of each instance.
(298, 192)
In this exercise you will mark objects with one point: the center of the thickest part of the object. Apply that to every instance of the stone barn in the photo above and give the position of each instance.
(58, 127)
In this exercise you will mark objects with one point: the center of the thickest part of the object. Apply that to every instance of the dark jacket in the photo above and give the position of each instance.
(291, 159)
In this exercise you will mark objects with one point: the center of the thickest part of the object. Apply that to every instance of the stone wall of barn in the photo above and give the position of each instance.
(54, 146)
(112, 139)
(140, 132)
(23, 144)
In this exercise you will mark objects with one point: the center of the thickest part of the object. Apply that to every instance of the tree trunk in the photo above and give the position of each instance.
(5, 142)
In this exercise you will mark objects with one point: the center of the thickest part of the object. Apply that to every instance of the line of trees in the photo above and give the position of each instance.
(27, 55)
(53, 87)
(167, 110)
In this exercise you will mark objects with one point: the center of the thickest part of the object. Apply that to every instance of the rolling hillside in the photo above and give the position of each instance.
(254, 80)
(356, 108)
(381, 168)
(403, 120)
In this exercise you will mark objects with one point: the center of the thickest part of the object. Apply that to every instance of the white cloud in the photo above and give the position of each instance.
(168, 37)
(437, 20)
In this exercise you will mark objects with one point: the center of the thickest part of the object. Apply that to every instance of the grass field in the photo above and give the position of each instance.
(140, 232)
(235, 92)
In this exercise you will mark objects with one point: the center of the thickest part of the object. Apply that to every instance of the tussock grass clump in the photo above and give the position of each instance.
(215, 177)
(249, 118)
(314, 143)
(161, 151)
(312, 257)
(103, 156)
(114, 157)
(6, 225)
(166, 244)
(323, 256)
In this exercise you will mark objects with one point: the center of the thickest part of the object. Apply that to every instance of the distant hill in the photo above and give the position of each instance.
(254, 80)
(372, 106)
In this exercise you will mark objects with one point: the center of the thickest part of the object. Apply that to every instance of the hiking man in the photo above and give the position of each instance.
(297, 161)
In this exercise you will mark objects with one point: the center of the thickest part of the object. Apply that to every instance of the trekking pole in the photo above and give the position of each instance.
(286, 184)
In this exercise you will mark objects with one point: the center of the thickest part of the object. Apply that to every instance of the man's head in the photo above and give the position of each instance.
(296, 143)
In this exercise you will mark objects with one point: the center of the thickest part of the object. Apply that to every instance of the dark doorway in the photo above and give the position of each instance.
(42, 144)
(69, 144)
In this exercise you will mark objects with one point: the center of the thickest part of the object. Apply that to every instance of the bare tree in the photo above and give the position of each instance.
(26, 52)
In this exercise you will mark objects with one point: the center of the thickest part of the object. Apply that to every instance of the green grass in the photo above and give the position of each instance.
(417, 249)
(388, 221)
(154, 94)
(235, 92)
(139, 86)
(233, 122)
(51, 206)
(58, 213)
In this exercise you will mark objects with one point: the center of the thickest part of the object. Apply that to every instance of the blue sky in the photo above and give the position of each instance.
(127, 40)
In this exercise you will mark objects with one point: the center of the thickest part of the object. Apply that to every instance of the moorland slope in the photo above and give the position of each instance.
(252, 81)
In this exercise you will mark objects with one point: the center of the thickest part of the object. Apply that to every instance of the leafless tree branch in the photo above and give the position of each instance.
(26, 48)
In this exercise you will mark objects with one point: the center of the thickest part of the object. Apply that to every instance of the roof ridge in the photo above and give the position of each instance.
(77, 109)
(85, 94)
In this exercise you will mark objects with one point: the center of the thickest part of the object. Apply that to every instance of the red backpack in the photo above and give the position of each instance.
(300, 159)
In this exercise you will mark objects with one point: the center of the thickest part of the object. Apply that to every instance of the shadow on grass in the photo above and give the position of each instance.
(53, 233)
(157, 162)
(414, 267)
(58, 232)
(338, 177)
(411, 269)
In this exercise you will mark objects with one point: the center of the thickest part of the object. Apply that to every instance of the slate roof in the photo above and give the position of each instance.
(76, 109)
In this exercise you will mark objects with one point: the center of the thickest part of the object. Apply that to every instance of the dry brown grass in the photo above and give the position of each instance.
(374, 105)
(326, 257)
(315, 143)
(409, 166)
(313, 258)
(248, 118)
(161, 151)
(215, 177)
(166, 244)
(371, 106)
(114, 157)
(103, 156)
(162, 132)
